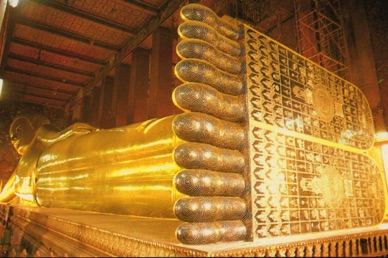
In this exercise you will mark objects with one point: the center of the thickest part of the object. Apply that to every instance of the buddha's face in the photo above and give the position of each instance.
(21, 133)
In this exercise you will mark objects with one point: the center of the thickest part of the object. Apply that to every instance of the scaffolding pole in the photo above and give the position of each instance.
(320, 34)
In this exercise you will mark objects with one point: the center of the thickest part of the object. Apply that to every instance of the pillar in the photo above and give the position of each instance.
(94, 106)
(138, 93)
(85, 109)
(161, 85)
(121, 91)
(106, 112)
(362, 67)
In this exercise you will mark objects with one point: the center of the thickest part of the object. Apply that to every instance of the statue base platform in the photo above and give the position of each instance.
(31, 231)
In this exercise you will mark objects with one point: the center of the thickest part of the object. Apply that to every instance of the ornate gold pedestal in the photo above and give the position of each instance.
(62, 232)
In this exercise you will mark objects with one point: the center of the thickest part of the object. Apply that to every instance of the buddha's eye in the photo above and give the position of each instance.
(14, 136)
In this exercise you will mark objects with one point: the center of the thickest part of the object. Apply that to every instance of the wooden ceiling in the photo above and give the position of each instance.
(53, 48)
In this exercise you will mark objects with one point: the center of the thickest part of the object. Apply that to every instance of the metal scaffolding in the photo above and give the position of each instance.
(320, 34)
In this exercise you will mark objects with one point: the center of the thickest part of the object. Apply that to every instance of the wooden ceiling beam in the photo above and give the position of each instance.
(58, 52)
(64, 101)
(49, 65)
(144, 31)
(65, 34)
(9, 24)
(46, 77)
(84, 15)
(37, 99)
(145, 8)
(11, 83)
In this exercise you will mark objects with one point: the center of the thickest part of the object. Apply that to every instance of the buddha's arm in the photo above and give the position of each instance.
(127, 170)
(48, 135)
(8, 192)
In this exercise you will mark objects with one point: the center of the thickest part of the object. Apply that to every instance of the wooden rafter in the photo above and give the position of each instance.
(51, 98)
(65, 8)
(38, 99)
(145, 8)
(65, 34)
(49, 65)
(46, 77)
(13, 83)
(58, 52)
(10, 14)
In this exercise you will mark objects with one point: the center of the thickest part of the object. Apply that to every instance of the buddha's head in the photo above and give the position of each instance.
(23, 129)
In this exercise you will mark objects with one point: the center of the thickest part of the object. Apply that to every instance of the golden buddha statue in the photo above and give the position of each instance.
(256, 155)
(58, 168)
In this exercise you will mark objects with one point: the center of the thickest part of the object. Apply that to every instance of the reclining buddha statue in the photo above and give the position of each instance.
(270, 145)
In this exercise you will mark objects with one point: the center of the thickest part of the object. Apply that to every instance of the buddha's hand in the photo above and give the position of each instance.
(81, 128)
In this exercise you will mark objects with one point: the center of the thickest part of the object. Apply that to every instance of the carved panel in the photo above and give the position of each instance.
(308, 130)
(295, 94)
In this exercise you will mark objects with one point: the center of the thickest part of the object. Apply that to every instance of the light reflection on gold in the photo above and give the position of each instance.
(128, 170)
(327, 180)
(384, 150)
